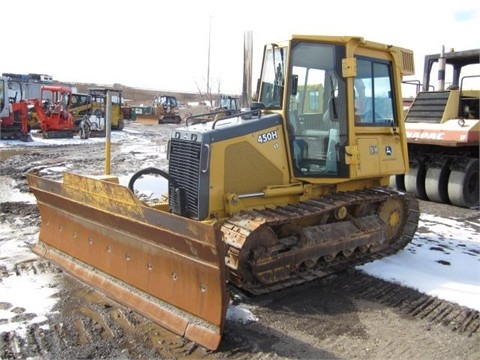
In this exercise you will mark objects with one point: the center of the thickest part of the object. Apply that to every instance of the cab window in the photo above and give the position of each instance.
(373, 93)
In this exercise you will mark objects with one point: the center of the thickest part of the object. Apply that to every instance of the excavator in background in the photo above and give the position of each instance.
(293, 189)
(80, 106)
(13, 112)
(443, 127)
(52, 110)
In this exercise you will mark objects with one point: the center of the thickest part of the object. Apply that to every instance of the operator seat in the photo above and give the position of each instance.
(332, 125)
(328, 120)
(299, 147)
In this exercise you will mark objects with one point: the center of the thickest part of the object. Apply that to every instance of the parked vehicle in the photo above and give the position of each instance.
(261, 200)
(443, 127)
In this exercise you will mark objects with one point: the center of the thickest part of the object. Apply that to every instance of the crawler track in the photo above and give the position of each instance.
(271, 249)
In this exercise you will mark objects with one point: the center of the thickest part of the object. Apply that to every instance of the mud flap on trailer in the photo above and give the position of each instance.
(168, 268)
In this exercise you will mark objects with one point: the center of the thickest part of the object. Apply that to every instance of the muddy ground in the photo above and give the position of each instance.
(346, 316)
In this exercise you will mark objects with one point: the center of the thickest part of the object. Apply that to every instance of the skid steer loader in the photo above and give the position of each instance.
(257, 201)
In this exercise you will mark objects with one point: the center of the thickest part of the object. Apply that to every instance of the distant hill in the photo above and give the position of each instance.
(136, 96)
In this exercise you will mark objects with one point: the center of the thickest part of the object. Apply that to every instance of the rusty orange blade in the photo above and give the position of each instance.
(169, 268)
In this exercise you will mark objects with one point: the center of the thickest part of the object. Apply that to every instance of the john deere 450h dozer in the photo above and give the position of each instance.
(291, 191)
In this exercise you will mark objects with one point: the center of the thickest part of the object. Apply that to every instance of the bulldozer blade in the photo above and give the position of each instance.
(168, 268)
(147, 119)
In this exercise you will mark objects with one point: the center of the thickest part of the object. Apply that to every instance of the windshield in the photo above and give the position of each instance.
(225, 102)
(65, 100)
(165, 101)
(316, 110)
(273, 77)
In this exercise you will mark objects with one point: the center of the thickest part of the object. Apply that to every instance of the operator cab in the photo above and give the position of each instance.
(305, 81)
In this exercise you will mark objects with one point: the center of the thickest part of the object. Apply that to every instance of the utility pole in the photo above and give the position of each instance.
(208, 65)
(247, 69)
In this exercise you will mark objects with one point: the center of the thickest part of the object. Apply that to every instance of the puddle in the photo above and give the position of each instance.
(9, 193)
(150, 186)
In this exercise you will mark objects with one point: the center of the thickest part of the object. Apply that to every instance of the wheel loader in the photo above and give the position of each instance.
(258, 201)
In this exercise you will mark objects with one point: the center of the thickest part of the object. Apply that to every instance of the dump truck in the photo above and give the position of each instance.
(443, 126)
(255, 202)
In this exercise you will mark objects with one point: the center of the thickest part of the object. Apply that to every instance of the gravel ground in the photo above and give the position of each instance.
(346, 316)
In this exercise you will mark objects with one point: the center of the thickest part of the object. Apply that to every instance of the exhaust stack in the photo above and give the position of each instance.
(441, 70)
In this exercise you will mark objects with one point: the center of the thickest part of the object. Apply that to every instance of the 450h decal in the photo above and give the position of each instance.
(266, 137)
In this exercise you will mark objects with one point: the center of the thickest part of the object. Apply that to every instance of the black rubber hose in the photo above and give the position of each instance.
(148, 171)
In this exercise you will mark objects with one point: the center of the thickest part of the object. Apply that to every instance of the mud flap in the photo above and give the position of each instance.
(168, 268)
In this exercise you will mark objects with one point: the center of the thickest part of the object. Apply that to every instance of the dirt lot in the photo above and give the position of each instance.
(346, 316)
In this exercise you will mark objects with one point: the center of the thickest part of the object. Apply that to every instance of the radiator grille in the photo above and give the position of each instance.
(184, 167)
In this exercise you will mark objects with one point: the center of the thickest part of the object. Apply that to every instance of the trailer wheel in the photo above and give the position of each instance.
(463, 184)
(415, 179)
(436, 183)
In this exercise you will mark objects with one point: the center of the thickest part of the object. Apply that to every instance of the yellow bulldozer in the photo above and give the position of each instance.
(163, 110)
(259, 201)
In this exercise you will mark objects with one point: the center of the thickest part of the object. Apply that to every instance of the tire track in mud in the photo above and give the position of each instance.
(86, 324)
(405, 301)
(353, 314)
(414, 304)
(323, 318)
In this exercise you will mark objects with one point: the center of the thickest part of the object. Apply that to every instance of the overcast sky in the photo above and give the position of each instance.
(164, 44)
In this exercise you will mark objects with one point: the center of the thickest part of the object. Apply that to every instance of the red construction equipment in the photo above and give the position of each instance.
(13, 113)
(53, 112)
